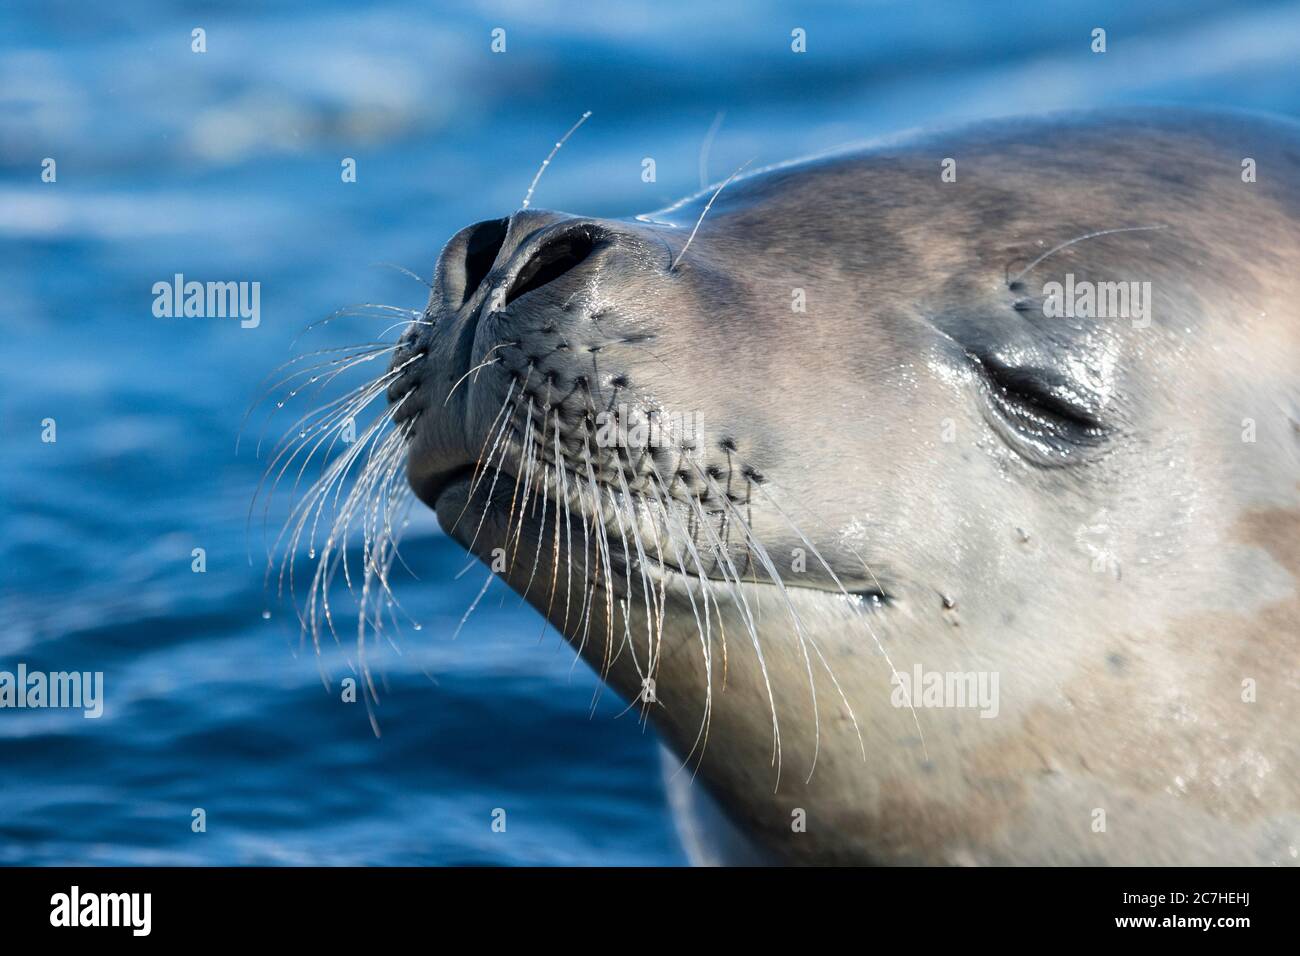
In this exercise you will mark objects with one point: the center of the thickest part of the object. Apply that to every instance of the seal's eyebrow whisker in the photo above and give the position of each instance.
(705, 211)
(1065, 245)
(528, 196)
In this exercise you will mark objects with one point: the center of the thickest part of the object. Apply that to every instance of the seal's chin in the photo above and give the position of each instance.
(449, 497)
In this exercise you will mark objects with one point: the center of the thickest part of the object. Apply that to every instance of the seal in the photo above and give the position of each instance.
(939, 501)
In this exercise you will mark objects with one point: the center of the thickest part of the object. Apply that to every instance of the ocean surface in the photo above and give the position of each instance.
(225, 165)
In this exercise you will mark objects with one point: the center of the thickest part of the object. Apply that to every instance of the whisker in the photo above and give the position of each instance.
(528, 196)
(475, 369)
(354, 311)
(406, 272)
(1090, 235)
(704, 212)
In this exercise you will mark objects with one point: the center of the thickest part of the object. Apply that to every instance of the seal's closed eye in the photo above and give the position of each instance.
(1037, 412)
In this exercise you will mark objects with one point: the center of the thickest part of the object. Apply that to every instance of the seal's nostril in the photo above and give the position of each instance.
(481, 251)
(551, 261)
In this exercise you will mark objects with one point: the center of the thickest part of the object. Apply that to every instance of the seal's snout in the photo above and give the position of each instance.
(550, 256)
(468, 258)
(539, 310)
(502, 259)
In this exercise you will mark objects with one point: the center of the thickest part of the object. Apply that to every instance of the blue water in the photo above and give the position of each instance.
(225, 166)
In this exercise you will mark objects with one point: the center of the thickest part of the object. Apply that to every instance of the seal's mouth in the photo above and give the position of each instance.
(430, 489)
(632, 557)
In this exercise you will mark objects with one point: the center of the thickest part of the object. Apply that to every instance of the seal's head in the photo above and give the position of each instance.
(654, 380)
(862, 430)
